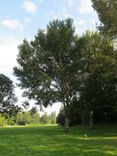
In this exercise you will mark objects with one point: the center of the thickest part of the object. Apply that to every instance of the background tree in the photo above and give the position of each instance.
(21, 120)
(47, 65)
(34, 115)
(3, 120)
(11, 120)
(7, 97)
(45, 119)
(98, 77)
(27, 117)
(52, 117)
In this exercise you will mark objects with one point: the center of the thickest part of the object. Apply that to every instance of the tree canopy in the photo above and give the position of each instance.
(107, 12)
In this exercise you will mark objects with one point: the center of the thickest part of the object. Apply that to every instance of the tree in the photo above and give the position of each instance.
(52, 117)
(27, 117)
(45, 119)
(11, 120)
(34, 115)
(2, 121)
(107, 12)
(20, 118)
(7, 97)
(36, 118)
(98, 77)
(47, 65)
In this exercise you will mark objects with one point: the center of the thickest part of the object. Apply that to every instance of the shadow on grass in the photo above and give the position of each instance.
(51, 141)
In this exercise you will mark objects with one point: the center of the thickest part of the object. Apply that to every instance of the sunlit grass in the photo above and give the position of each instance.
(51, 141)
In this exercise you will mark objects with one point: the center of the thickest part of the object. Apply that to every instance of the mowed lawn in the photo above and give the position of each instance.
(51, 141)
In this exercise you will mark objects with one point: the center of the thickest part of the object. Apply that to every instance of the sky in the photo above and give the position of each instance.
(21, 19)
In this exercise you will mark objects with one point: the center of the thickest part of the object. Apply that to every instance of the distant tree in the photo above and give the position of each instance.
(36, 118)
(27, 117)
(45, 119)
(34, 115)
(21, 118)
(47, 66)
(7, 97)
(11, 120)
(52, 117)
(3, 121)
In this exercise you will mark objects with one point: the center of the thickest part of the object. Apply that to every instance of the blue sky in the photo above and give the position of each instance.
(21, 19)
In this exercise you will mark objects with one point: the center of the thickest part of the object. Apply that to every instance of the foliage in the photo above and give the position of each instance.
(20, 118)
(45, 119)
(10, 120)
(2, 121)
(52, 118)
(35, 117)
(26, 117)
(98, 77)
(7, 97)
(107, 12)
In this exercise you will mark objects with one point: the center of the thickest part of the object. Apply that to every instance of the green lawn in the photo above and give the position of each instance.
(51, 141)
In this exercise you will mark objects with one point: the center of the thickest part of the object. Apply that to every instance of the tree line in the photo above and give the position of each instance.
(27, 118)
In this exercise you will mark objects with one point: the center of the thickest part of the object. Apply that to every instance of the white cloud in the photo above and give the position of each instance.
(58, 15)
(15, 24)
(8, 53)
(85, 7)
(79, 26)
(29, 6)
(12, 24)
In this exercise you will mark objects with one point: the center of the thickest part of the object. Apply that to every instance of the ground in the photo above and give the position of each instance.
(51, 141)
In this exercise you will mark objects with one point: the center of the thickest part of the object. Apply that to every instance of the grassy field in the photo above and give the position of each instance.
(51, 141)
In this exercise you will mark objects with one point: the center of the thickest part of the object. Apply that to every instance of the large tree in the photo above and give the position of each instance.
(47, 65)
(98, 80)
(7, 97)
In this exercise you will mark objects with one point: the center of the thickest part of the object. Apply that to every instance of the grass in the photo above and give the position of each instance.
(51, 141)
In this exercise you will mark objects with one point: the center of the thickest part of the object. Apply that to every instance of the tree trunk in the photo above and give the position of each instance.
(66, 127)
